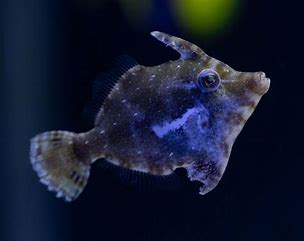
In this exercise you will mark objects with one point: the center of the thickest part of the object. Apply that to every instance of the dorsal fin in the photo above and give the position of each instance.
(186, 49)
(104, 83)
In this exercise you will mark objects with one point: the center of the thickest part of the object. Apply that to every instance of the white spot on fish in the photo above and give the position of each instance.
(171, 154)
(86, 142)
(135, 114)
(227, 81)
(178, 66)
(101, 132)
(114, 123)
(164, 128)
(124, 101)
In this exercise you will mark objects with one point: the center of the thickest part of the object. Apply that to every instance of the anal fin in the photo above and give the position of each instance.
(144, 182)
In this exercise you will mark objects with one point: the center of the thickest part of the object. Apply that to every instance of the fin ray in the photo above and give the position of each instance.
(144, 182)
(104, 84)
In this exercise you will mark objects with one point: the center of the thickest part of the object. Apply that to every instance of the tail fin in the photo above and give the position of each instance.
(54, 159)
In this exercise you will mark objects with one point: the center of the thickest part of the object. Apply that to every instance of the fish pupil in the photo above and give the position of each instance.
(210, 80)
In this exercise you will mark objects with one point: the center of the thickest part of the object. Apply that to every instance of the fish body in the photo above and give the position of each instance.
(185, 113)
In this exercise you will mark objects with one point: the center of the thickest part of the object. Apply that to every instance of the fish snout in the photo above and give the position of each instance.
(258, 83)
(262, 82)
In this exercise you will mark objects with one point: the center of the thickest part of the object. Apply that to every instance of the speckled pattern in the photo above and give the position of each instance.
(157, 119)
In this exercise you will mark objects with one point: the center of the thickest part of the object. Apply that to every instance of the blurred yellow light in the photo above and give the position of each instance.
(205, 17)
(137, 11)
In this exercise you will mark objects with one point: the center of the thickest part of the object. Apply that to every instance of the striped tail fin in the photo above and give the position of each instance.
(54, 159)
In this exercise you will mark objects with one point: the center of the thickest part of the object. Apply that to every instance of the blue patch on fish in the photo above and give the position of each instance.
(185, 113)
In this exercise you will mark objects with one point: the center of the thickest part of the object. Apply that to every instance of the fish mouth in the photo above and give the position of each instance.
(262, 83)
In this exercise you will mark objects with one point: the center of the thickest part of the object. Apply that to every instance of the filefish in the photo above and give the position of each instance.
(184, 113)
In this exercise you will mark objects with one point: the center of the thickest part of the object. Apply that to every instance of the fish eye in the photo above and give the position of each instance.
(208, 80)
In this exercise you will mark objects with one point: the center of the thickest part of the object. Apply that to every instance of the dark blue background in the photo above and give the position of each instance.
(51, 52)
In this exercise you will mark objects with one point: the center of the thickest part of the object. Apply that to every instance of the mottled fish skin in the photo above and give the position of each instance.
(156, 119)
(159, 118)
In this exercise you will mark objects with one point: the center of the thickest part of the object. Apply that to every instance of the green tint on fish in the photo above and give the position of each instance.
(185, 113)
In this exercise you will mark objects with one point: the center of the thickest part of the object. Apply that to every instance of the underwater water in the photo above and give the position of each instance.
(52, 52)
